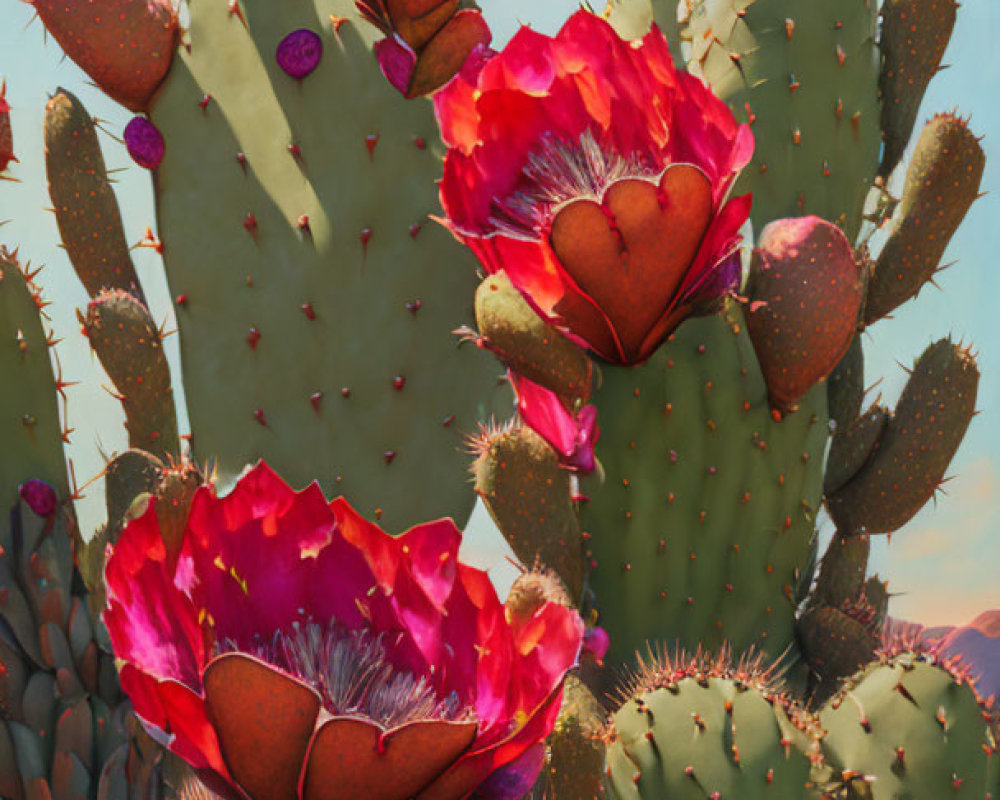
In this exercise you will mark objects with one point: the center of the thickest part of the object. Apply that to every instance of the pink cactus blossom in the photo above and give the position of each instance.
(597, 176)
(292, 649)
(572, 433)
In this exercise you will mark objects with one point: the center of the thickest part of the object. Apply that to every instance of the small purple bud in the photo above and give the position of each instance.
(298, 53)
(40, 497)
(144, 143)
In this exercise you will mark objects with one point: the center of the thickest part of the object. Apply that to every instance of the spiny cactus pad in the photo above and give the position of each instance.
(907, 727)
(315, 315)
(527, 492)
(86, 209)
(708, 733)
(805, 75)
(130, 347)
(941, 184)
(914, 36)
(703, 528)
(916, 446)
(30, 428)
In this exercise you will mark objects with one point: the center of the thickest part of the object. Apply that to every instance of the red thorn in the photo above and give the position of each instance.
(303, 224)
(309, 311)
(315, 399)
(419, 142)
(413, 306)
(336, 22)
(181, 300)
(253, 338)
(371, 141)
(389, 455)
(448, 420)
(415, 229)
(203, 103)
(295, 151)
(258, 414)
(250, 224)
(345, 392)
(398, 383)
(242, 160)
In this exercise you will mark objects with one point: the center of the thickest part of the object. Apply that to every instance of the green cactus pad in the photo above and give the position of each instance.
(514, 332)
(316, 315)
(835, 645)
(805, 75)
(130, 347)
(90, 223)
(852, 446)
(703, 529)
(941, 183)
(845, 388)
(702, 736)
(574, 751)
(909, 729)
(29, 415)
(916, 446)
(842, 571)
(528, 494)
(915, 34)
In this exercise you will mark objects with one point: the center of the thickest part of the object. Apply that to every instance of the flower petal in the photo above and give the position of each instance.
(264, 721)
(354, 758)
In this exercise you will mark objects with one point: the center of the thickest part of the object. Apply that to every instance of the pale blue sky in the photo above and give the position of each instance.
(945, 564)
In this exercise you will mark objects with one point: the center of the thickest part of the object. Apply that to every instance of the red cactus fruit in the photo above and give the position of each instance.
(805, 293)
(294, 651)
(126, 46)
(597, 177)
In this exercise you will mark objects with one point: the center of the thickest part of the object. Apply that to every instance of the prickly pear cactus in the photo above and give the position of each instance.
(695, 729)
(30, 427)
(908, 727)
(704, 527)
(805, 76)
(314, 312)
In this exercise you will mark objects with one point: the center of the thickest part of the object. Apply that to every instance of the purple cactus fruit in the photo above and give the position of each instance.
(40, 496)
(299, 53)
(144, 143)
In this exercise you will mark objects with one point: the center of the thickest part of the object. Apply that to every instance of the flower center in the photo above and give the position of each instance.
(557, 172)
(351, 672)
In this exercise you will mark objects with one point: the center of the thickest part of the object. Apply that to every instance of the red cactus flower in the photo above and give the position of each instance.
(294, 650)
(572, 433)
(597, 177)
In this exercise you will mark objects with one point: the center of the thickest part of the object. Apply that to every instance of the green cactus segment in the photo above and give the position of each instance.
(842, 571)
(61, 711)
(90, 223)
(916, 447)
(852, 447)
(914, 36)
(703, 529)
(835, 644)
(130, 347)
(907, 728)
(528, 494)
(805, 296)
(514, 332)
(707, 737)
(574, 751)
(29, 415)
(845, 388)
(941, 183)
(315, 316)
(631, 19)
(805, 75)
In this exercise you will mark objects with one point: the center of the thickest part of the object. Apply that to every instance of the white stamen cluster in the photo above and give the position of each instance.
(558, 172)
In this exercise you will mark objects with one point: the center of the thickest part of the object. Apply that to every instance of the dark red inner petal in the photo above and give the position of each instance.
(355, 758)
(264, 721)
(631, 252)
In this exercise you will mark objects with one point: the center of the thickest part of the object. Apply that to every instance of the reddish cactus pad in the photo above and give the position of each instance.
(125, 45)
(294, 650)
(805, 292)
(596, 175)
